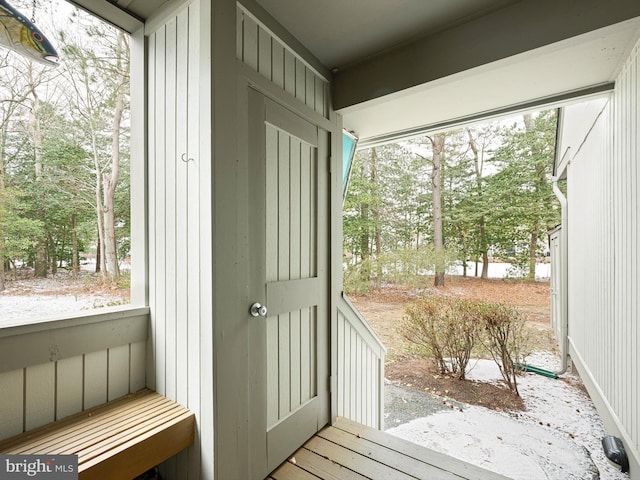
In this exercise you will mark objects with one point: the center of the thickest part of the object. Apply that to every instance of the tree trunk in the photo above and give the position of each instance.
(478, 162)
(3, 132)
(41, 266)
(539, 182)
(110, 180)
(53, 257)
(100, 264)
(99, 255)
(375, 212)
(437, 143)
(75, 264)
(484, 249)
(533, 243)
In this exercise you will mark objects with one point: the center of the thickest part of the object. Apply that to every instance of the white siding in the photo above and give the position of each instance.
(603, 259)
(179, 173)
(292, 216)
(261, 50)
(359, 372)
(360, 369)
(39, 394)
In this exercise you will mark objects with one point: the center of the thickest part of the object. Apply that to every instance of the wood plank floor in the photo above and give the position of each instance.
(350, 451)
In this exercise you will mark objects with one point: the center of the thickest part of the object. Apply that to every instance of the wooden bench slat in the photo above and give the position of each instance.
(126, 461)
(79, 420)
(70, 438)
(137, 430)
(90, 437)
(118, 440)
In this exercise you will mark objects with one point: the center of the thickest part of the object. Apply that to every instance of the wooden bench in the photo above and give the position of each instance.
(118, 440)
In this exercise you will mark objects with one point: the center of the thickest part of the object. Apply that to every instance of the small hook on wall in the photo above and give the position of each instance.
(184, 158)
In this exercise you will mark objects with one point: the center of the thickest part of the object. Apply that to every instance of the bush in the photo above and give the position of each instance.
(446, 329)
(449, 330)
(504, 338)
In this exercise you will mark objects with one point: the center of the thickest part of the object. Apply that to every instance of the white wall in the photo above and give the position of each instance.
(603, 231)
(51, 370)
(180, 238)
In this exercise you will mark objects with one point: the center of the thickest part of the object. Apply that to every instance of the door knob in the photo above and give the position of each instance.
(258, 310)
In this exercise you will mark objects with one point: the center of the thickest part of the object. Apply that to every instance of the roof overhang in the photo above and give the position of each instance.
(455, 85)
(464, 60)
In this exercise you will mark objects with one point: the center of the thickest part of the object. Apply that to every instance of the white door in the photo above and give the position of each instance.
(289, 344)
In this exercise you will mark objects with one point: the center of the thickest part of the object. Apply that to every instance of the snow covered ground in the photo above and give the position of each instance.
(558, 437)
(34, 300)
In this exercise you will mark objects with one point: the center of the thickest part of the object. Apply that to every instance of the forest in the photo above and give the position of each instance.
(478, 194)
(64, 149)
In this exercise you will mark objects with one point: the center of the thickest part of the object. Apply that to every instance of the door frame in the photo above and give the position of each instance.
(231, 333)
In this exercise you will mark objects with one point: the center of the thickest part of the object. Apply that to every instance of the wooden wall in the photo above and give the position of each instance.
(180, 267)
(359, 369)
(604, 252)
(291, 194)
(360, 379)
(258, 48)
(51, 370)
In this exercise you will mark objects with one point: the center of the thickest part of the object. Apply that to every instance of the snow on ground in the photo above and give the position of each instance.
(34, 300)
(558, 437)
(15, 310)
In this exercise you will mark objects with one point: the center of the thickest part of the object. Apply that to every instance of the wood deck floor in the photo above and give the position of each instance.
(350, 451)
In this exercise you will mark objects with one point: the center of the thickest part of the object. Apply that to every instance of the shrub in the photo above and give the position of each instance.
(446, 328)
(503, 336)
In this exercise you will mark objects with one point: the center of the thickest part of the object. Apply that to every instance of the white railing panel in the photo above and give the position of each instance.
(360, 368)
(73, 377)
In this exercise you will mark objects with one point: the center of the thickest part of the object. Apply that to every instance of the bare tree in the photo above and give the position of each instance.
(437, 148)
(99, 93)
(437, 144)
(478, 162)
(110, 178)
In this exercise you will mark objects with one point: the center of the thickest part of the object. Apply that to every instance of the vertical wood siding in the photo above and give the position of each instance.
(262, 51)
(39, 394)
(179, 174)
(604, 261)
(360, 382)
(292, 217)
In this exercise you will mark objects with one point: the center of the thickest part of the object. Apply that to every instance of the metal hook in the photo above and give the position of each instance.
(184, 158)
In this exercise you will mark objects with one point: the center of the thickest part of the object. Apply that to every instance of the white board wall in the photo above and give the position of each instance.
(603, 178)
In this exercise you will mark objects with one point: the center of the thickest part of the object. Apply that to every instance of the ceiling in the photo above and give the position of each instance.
(548, 76)
(399, 66)
(340, 32)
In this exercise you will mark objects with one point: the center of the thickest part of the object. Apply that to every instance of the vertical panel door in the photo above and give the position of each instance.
(289, 343)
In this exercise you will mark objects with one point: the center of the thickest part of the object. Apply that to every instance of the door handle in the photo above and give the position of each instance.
(258, 310)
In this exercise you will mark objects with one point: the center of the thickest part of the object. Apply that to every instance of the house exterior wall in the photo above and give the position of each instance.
(262, 51)
(198, 235)
(52, 370)
(360, 369)
(179, 174)
(357, 355)
(603, 251)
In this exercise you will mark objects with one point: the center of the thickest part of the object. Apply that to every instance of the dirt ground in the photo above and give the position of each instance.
(384, 309)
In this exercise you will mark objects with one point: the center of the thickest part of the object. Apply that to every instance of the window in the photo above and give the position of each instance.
(65, 221)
